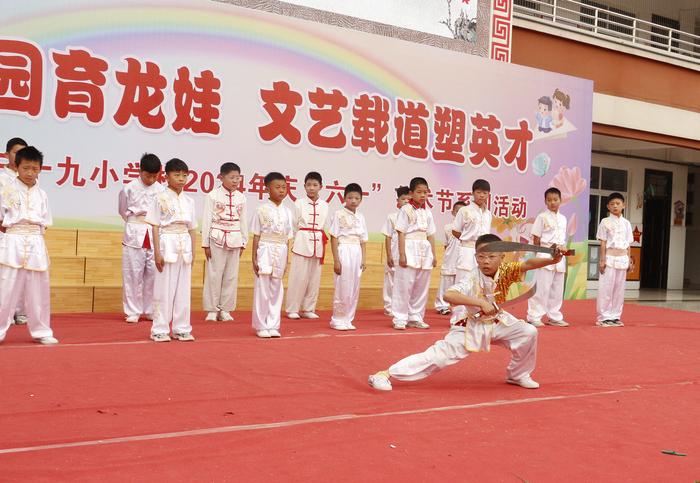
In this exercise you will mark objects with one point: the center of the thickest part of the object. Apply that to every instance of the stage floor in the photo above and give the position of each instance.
(107, 404)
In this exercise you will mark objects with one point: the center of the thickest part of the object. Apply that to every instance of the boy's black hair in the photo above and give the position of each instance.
(226, 168)
(486, 238)
(459, 203)
(353, 188)
(481, 184)
(416, 182)
(176, 164)
(313, 175)
(274, 176)
(29, 153)
(552, 190)
(616, 196)
(14, 142)
(401, 191)
(150, 163)
(546, 101)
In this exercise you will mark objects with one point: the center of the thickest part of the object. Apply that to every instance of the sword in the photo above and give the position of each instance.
(507, 246)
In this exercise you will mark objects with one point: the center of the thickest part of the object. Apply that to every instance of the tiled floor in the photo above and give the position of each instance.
(671, 299)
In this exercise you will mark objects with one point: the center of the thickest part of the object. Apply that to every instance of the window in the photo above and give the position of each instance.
(527, 4)
(604, 181)
(664, 35)
(608, 23)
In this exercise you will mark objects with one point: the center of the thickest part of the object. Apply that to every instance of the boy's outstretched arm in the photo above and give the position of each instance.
(454, 297)
(535, 263)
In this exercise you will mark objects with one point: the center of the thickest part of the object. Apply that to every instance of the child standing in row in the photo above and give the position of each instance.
(272, 229)
(8, 174)
(471, 222)
(224, 236)
(348, 232)
(416, 230)
(308, 251)
(391, 247)
(615, 236)
(172, 216)
(24, 260)
(138, 267)
(448, 269)
(549, 229)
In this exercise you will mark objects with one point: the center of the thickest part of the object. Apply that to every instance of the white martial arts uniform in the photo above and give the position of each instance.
(9, 176)
(273, 224)
(24, 260)
(476, 335)
(550, 227)
(351, 231)
(616, 232)
(389, 231)
(448, 269)
(411, 283)
(175, 216)
(308, 252)
(138, 267)
(472, 222)
(225, 233)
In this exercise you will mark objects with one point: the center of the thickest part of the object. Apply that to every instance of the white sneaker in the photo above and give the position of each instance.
(274, 333)
(184, 336)
(418, 324)
(558, 323)
(49, 340)
(293, 316)
(350, 327)
(309, 315)
(339, 327)
(380, 381)
(160, 337)
(535, 323)
(264, 334)
(399, 325)
(21, 319)
(526, 382)
(224, 316)
(211, 316)
(132, 319)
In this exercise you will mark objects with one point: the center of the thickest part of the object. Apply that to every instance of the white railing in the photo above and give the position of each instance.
(607, 23)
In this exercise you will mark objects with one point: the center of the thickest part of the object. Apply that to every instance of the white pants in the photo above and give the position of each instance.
(611, 293)
(446, 281)
(388, 287)
(347, 284)
(171, 298)
(268, 293)
(520, 338)
(138, 276)
(34, 287)
(548, 296)
(410, 294)
(221, 279)
(303, 284)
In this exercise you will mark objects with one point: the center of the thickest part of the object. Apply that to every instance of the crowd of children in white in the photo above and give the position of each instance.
(159, 249)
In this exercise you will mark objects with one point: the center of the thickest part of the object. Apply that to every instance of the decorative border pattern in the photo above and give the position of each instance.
(501, 30)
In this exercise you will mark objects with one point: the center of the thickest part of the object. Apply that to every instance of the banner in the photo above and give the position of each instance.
(96, 84)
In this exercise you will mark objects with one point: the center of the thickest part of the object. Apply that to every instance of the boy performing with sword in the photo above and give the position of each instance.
(480, 319)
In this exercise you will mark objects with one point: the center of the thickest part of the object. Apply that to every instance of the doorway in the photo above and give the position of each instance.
(657, 228)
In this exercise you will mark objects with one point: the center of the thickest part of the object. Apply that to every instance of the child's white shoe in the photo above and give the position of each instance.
(418, 324)
(184, 336)
(400, 325)
(211, 317)
(558, 323)
(263, 334)
(21, 319)
(339, 327)
(274, 333)
(526, 382)
(308, 315)
(380, 381)
(132, 319)
(535, 323)
(224, 316)
(49, 340)
(160, 337)
(293, 316)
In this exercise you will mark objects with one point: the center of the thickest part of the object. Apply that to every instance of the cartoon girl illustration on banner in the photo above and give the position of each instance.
(561, 105)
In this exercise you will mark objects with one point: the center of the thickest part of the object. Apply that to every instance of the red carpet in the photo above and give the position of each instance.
(611, 400)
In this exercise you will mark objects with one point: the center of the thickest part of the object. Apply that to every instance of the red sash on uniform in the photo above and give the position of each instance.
(324, 241)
